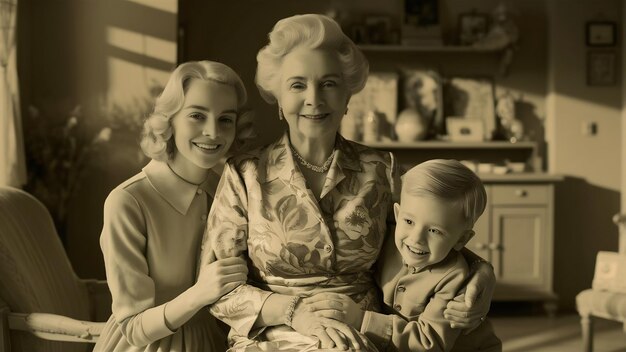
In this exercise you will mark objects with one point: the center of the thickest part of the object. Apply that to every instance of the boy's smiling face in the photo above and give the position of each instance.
(428, 228)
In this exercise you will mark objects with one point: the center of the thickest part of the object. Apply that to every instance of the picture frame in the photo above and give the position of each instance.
(378, 28)
(601, 33)
(471, 98)
(422, 89)
(358, 32)
(602, 67)
(472, 27)
(380, 96)
(421, 13)
(465, 130)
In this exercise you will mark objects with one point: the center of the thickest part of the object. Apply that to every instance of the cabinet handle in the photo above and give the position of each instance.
(521, 193)
(495, 246)
(480, 246)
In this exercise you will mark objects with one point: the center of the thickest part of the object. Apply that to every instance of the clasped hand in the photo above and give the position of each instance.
(220, 277)
(466, 311)
(325, 319)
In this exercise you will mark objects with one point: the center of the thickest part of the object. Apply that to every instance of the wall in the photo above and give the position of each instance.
(238, 45)
(588, 198)
(87, 51)
(547, 77)
(93, 53)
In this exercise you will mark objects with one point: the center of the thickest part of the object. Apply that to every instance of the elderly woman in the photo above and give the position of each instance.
(310, 210)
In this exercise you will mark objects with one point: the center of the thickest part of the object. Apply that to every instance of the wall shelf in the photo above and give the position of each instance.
(451, 145)
(506, 52)
(496, 152)
(427, 49)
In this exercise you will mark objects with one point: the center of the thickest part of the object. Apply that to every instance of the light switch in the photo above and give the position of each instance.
(589, 128)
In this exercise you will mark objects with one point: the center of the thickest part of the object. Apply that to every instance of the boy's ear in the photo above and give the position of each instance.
(396, 211)
(465, 237)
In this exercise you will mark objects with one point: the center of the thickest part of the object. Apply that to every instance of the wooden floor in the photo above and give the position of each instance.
(538, 333)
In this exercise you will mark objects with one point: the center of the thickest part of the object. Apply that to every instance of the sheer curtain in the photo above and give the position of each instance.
(12, 159)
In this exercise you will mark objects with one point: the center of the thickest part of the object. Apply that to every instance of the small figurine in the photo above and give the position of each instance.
(505, 109)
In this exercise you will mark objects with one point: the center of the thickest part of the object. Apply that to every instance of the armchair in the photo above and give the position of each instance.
(604, 303)
(43, 304)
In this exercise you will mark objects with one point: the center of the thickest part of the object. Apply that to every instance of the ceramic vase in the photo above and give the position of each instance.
(411, 126)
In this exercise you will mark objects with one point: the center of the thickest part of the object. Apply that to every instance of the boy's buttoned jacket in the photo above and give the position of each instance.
(414, 301)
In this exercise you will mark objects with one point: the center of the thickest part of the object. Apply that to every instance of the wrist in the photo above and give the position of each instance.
(195, 298)
(290, 310)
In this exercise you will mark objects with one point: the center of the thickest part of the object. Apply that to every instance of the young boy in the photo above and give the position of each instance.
(440, 202)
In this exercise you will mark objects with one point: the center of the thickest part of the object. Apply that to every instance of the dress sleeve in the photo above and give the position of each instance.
(123, 242)
(429, 332)
(227, 236)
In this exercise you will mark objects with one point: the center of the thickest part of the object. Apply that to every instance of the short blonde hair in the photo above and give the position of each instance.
(315, 32)
(450, 180)
(156, 140)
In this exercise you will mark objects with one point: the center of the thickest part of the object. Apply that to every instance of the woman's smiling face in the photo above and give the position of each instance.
(312, 92)
(204, 129)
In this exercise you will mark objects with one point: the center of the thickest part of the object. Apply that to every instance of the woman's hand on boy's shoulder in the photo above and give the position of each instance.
(469, 310)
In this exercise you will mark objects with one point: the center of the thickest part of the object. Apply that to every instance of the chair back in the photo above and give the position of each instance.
(35, 273)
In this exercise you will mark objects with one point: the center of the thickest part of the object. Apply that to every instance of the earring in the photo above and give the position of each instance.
(281, 115)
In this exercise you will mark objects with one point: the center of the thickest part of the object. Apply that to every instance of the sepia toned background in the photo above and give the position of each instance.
(95, 54)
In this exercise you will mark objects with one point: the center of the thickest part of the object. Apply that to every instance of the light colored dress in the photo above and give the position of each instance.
(153, 225)
(295, 244)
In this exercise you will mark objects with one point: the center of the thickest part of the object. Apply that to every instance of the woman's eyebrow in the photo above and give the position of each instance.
(200, 107)
(332, 75)
(197, 107)
(326, 76)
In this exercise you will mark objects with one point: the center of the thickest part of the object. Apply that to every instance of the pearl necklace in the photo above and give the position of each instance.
(308, 165)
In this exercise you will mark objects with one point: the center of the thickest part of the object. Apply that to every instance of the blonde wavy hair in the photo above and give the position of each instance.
(156, 140)
(313, 31)
(450, 180)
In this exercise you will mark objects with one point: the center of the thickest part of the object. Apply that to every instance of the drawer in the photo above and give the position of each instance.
(520, 194)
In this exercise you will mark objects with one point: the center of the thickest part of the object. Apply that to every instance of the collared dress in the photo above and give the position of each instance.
(414, 300)
(153, 226)
(296, 244)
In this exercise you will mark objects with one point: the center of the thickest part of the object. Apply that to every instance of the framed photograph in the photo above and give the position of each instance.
(421, 13)
(465, 130)
(422, 90)
(359, 35)
(601, 68)
(380, 96)
(601, 33)
(473, 26)
(378, 29)
(471, 98)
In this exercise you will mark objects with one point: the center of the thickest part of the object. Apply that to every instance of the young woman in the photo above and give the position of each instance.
(153, 222)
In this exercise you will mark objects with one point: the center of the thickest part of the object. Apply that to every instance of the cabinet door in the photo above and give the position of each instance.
(520, 251)
(480, 242)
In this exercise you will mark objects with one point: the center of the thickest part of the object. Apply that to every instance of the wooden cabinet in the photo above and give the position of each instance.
(515, 233)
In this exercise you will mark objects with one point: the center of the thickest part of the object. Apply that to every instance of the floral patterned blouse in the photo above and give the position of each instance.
(296, 244)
